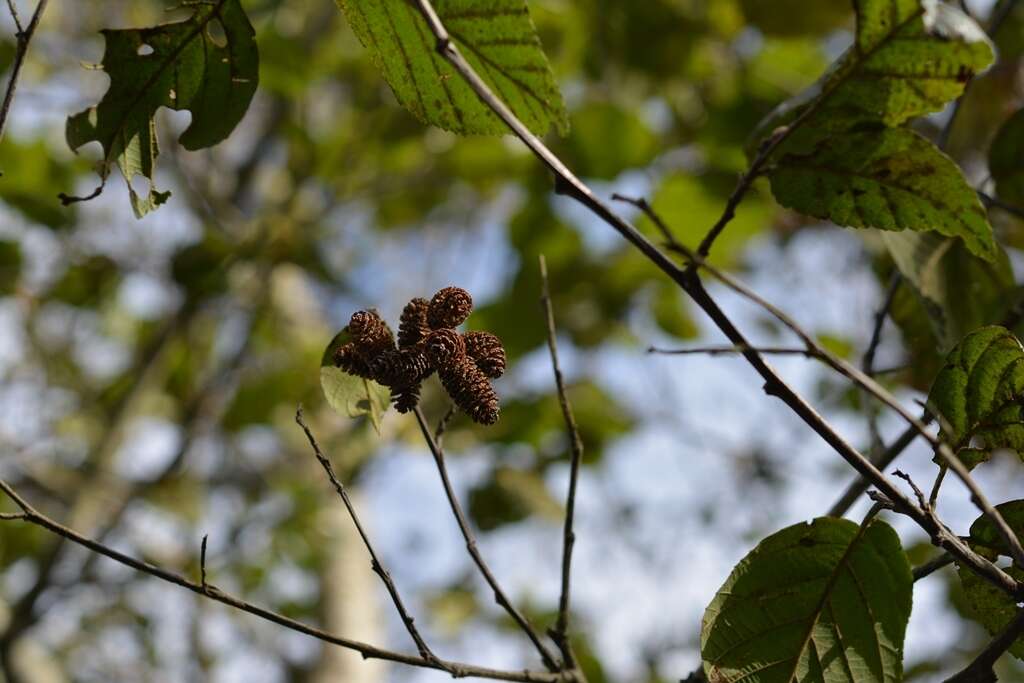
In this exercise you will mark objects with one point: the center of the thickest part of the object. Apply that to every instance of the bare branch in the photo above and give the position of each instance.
(202, 561)
(456, 669)
(21, 49)
(378, 567)
(560, 632)
(882, 462)
(688, 280)
(471, 546)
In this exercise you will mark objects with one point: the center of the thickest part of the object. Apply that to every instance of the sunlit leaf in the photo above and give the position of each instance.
(888, 178)
(909, 58)
(978, 396)
(180, 66)
(824, 601)
(498, 39)
(349, 395)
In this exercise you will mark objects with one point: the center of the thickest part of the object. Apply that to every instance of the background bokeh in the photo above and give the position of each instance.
(150, 370)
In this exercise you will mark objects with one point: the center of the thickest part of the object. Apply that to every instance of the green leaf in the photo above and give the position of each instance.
(350, 395)
(824, 601)
(498, 39)
(959, 291)
(178, 65)
(992, 607)
(1006, 159)
(978, 395)
(909, 58)
(888, 178)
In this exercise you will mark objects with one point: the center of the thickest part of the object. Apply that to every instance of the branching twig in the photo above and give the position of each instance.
(981, 669)
(375, 563)
(568, 184)
(860, 485)
(24, 38)
(560, 632)
(32, 516)
(471, 546)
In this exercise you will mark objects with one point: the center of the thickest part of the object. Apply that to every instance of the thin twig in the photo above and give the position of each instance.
(442, 425)
(857, 488)
(932, 566)
(689, 281)
(933, 497)
(471, 546)
(375, 563)
(457, 669)
(24, 38)
(202, 561)
(733, 350)
(981, 669)
(14, 15)
(560, 632)
(990, 201)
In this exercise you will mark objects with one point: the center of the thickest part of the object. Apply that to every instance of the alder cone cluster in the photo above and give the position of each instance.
(428, 342)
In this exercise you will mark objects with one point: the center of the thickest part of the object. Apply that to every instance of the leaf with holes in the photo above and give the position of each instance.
(349, 395)
(992, 607)
(887, 178)
(498, 39)
(824, 601)
(178, 65)
(909, 58)
(1006, 159)
(978, 395)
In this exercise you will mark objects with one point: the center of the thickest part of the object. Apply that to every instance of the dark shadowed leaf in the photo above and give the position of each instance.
(886, 178)
(180, 66)
(1006, 159)
(992, 607)
(959, 291)
(497, 38)
(824, 601)
(978, 396)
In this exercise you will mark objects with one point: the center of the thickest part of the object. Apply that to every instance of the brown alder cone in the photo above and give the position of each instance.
(472, 392)
(371, 334)
(486, 349)
(406, 397)
(444, 347)
(413, 327)
(396, 368)
(348, 359)
(449, 308)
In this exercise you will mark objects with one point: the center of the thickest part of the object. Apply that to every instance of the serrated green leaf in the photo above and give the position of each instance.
(824, 601)
(888, 178)
(992, 607)
(177, 65)
(909, 58)
(1006, 159)
(959, 291)
(498, 39)
(978, 395)
(349, 395)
